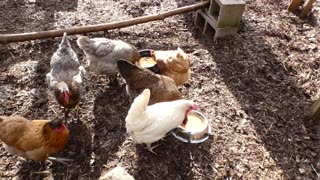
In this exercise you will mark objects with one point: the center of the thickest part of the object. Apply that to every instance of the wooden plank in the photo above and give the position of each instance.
(294, 5)
(316, 110)
(306, 9)
(7, 38)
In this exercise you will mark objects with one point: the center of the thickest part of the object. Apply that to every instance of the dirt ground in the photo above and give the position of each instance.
(255, 88)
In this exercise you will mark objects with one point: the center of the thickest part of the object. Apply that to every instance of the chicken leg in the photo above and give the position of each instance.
(150, 148)
(77, 111)
(66, 114)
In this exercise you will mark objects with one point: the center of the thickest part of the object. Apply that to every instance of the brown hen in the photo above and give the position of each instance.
(33, 139)
(137, 79)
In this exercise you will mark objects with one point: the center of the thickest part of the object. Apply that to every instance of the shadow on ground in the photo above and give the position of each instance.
(33, 15)
(268, 93)
(189, 161)
(111, 105)
(266, 90)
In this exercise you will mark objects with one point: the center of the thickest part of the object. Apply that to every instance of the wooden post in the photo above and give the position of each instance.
(294, 5)
(7, 38)
(307, 8)
(315, 109)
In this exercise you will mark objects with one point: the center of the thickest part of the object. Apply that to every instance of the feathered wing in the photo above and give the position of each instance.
(174, 64)
(16, 132)
(98, 47)
(9, 133)
(51, 81)
(64, 57)
(86, 44)
(78, 76)
(178, 65)
(64, 62)
(125, 69)
(135, 120)
(182, 62)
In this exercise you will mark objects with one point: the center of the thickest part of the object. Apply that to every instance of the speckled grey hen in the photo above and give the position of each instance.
(102, 54)
(65, 77)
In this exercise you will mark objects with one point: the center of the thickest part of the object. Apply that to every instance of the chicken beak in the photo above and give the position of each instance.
(185, 121)
(152, 54)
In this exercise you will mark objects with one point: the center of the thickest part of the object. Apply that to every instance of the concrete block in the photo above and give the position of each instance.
(232, 10)
(228, 21)
(222, 15)
(221, 32)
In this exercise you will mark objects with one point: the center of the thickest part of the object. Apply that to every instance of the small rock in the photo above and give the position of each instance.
(22, 93)
(32, 1)
(34, 92)
(313, 154)
(118, 173)
(302, 171)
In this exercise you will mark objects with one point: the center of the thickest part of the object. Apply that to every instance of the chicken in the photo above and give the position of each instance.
(148, 124)
(174, 64)
(33, 139)
(102, 54)
(65, 78)
(137, 79)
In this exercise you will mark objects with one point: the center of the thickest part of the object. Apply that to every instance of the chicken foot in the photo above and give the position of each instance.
(150, 148)
(60, 160)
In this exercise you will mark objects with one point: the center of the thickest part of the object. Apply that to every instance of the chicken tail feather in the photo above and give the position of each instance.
(125, 68)
(86, 44)
(140, 103)
(64, 41)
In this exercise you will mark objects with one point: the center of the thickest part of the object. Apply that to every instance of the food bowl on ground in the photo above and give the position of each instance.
(196, 130)
(147, 60)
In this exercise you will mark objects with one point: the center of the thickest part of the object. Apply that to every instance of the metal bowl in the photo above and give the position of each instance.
(193, 136)
(148, 53)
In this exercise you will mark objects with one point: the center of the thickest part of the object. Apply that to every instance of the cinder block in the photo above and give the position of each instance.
(223, 16)
(221, 32)
(228, 21)
(231, 9)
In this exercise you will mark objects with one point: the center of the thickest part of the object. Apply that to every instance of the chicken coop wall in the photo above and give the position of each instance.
(223, 16)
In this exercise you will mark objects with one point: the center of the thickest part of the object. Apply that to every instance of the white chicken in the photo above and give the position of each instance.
(102, 54)
(148, 124)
